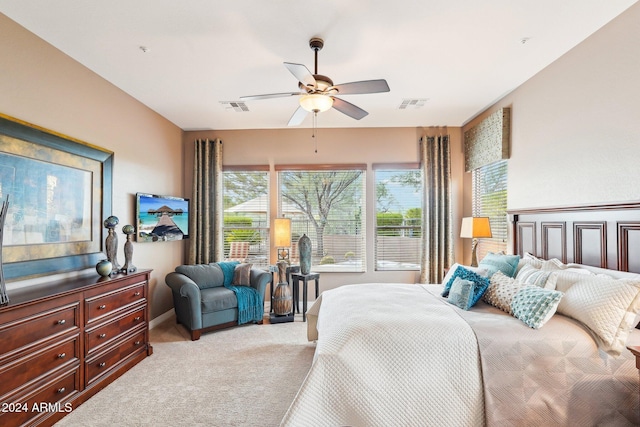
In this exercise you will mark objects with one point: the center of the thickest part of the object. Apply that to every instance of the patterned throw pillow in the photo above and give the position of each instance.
(461, 293)
(498, 262)
(607, 307)
(535, 305)
(533, 276)
(501, 291)
(482, 283)
(242, 275)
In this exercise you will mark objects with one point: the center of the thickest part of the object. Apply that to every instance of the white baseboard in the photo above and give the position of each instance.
(164, 316)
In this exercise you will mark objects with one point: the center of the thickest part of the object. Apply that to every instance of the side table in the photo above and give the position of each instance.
(274, 273)
(295, 282)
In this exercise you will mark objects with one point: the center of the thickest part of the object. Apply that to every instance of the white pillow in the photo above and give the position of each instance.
(607, 307)
(501, 291)
(533, 276)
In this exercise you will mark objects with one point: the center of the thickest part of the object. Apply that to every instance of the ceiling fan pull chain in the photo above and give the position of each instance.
(315, 128)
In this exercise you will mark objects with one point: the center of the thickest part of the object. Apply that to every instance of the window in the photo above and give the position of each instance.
(490, 199)
(398, 217)
(246, 216)
(328, 205)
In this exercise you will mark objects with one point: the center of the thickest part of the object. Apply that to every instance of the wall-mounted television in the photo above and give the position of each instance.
(161, 218)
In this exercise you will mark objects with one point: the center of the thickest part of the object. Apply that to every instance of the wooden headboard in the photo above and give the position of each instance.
(606, 236)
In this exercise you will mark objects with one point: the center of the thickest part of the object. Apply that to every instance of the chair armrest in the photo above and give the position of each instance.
(189, 310)
(259, 279)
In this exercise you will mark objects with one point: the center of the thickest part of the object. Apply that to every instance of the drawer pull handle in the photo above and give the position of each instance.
(102, 365)
(102, 336)
(137, 294)
(62, 390)
(61, 322)
(137, 343)
(102, 307)
(137, 318)
(62, 355)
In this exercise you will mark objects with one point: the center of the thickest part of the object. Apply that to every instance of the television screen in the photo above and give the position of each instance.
(161, 218)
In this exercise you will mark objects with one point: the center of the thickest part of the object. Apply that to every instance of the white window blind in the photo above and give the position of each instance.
(398, 217)
(328, 205)
(246, 216)
(490, 199)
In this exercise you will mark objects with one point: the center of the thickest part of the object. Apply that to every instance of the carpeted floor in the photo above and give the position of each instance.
(243, 376)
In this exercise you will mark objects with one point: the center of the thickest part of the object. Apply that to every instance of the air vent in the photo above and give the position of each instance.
(237, 106)
(409, 103)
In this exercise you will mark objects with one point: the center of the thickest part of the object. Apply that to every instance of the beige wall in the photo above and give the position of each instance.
(41, 85)
(576, 125)
(295, 146)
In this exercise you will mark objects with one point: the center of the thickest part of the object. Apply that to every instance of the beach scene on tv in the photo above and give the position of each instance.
(162, 218)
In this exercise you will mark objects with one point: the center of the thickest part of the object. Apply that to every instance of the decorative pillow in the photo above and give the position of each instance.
(502, 289)
(498, 262)
(461, 293)
(228, 268)
(242, 275)
(535, 305)
(607, 307)
(481, 282)
(532, 276)
(479, 271)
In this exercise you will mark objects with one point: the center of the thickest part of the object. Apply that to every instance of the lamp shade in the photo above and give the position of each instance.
(316, 103)
(282, 232)
(475, 227)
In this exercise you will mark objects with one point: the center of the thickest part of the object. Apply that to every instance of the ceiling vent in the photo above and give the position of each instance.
(412, 103)
(237, 106)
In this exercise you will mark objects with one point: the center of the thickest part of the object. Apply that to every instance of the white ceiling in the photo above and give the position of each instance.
(459, 55)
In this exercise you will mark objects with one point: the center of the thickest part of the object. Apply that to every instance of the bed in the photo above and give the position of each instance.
(401, 354)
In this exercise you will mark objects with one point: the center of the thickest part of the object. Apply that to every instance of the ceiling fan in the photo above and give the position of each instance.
(319, 93)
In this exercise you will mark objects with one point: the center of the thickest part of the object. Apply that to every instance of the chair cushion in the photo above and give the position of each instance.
(218, 298)
(204, 275)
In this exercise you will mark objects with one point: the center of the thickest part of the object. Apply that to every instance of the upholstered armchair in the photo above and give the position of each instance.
(201, 300)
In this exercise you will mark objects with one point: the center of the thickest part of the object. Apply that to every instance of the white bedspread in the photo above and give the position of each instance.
(389, 355)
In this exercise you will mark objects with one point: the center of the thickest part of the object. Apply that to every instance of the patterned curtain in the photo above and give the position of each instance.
(437, 225)
(205, 226)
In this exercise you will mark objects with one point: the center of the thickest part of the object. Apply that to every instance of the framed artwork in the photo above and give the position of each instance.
(59, 192)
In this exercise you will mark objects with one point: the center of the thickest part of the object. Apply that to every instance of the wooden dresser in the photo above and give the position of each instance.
(61, 342)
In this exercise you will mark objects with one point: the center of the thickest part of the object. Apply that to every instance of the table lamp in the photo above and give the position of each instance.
(282, 237)
(475, 228)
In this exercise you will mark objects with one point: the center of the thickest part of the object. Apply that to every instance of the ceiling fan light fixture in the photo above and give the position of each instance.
(316, 103)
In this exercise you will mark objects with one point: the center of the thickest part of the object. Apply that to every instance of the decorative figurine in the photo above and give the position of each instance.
(111, 243)
(304, 249)
(128, 267)
(4, 298)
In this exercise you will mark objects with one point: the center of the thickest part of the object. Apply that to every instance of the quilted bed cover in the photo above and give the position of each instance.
(401, 355)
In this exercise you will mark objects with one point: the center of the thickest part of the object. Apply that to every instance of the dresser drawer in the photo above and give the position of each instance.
(42, 401)
(32, 366)
(103, 363)
(100, 336)
(102, 305)
(35, 327)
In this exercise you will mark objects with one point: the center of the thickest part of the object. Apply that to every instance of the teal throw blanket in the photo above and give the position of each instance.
(250, 308)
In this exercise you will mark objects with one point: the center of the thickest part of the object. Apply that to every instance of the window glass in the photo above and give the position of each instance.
(490, 199)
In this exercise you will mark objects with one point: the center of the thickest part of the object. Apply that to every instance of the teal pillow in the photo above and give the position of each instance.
(507, 264)
(228, 268)
(461, 293)
(481, 283)
(535, 305)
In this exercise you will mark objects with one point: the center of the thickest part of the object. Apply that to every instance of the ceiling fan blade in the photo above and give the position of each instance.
(270, 95)
(348, 108)
(298, 116)
(365, 86)
(301, 73)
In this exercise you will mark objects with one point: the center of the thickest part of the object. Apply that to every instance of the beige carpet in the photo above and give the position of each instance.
(243, 376)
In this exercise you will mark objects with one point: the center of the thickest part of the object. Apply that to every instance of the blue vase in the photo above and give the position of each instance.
(304, 249)
(104, 268)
